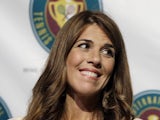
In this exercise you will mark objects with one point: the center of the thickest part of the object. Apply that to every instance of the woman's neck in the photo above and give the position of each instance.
(82, 108)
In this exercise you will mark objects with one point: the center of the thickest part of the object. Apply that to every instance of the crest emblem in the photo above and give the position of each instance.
(147, 105)
(48, 16)
(4, 111)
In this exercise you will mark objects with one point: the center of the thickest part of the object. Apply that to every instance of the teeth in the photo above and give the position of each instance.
(90, 74)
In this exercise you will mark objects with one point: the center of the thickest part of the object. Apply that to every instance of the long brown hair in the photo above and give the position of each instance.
(50, 90)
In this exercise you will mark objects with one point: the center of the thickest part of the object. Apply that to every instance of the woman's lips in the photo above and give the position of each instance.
(91, 73)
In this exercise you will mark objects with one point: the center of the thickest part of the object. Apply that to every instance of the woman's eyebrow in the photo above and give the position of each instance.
(108, 45)
(86, 40)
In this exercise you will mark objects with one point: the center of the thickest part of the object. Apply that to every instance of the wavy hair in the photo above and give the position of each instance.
(49, 92)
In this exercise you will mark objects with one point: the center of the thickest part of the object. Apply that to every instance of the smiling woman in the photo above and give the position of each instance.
(87, 74)
(90, 63)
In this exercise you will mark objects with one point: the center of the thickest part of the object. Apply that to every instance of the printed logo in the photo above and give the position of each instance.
(4, 111)
(48, 16)
(146, 105)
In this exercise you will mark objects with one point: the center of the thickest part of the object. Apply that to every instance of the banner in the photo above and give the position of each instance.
(24, 48)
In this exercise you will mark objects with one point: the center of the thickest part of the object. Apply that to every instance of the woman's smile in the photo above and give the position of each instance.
(90, 73)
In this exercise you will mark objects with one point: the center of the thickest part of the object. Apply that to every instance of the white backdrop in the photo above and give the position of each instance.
(22, 58)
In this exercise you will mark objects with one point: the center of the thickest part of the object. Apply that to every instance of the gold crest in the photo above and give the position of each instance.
(62, 10)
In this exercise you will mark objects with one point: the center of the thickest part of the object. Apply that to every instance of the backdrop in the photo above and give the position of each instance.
(22, 58)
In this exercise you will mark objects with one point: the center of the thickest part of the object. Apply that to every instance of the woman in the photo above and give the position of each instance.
(87, 75)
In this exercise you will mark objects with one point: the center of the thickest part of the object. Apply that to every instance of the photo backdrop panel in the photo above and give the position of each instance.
(22, 58)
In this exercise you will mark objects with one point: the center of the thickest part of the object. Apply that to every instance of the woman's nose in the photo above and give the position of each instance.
(95, 59)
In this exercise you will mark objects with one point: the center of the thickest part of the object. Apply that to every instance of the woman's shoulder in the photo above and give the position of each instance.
(137, 119)
(16, 118)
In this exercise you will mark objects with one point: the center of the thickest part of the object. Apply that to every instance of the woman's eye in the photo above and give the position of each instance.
(108, 52)
(84, 45)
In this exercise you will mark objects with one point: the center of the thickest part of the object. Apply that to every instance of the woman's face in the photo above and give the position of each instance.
(90, 62)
